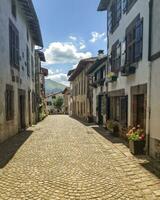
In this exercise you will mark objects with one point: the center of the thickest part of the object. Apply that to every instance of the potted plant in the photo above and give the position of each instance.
(113, 127)
(136, 139)
(112, 76)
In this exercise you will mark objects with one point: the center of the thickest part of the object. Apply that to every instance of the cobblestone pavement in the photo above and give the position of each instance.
(60, 158)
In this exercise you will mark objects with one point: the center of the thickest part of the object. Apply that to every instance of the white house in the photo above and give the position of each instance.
(128, 68)
(19, 33)
(97, 72)
(155, 78)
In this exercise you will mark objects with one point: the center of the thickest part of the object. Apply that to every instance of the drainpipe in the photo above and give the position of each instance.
(150, 71)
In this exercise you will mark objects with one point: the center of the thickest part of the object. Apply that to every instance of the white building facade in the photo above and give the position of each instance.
(19, 34)
(97, 72)
(155, 80)
(128, 66)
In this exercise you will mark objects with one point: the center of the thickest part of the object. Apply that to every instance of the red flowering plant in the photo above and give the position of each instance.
(136, 134)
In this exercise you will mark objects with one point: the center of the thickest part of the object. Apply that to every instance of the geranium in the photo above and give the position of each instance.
(136, 134)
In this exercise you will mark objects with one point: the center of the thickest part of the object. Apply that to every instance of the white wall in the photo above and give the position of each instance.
(155, 83)
(142, 72)
(11, 127)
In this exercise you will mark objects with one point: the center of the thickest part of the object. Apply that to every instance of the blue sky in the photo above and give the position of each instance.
(71, 30)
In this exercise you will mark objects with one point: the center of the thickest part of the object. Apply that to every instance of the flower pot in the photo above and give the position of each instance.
(132, 69)
(114, 78)
(136, 147)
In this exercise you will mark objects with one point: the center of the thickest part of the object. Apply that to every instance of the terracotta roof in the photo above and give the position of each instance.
(82, 64)
(98, 62)
(32, 21)
(44, 71)
(70, 72)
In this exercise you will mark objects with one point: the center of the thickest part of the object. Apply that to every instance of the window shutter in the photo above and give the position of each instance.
(12, 104)
(124, 5)
(17, 50)
(109, 19)
(139, 39)
(119, 10)
(123, 53)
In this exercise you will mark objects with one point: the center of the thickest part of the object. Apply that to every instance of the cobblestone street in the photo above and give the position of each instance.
(60, 158)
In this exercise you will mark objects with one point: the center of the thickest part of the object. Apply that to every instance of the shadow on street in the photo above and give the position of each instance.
(10, 147)
(110, 137)
(149, 164)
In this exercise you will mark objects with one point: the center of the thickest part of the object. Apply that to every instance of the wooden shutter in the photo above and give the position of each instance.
(124, 5)
(119, 10)
(139, 39)
(109, 21)
(123, 53)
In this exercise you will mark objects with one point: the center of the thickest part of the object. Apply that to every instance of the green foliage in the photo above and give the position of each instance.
(58, 102)
(136, 134)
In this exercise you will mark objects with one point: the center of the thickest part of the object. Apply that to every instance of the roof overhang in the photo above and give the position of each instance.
(82, 64)
(44, 71)
(70, 72)
(96, 65)
(103, 5)
(41, 55)
(32, 21)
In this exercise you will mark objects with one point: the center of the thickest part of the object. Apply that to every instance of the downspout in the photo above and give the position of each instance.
(150, 71)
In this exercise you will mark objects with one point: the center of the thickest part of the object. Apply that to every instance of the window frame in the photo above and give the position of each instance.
(9, 102)
(14, 45)
(14, 8)
(132, 40)
(116, 57)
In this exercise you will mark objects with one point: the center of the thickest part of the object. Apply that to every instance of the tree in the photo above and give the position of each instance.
(58, 102)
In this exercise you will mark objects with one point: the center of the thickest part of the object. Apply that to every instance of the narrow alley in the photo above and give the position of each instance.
(61, 158)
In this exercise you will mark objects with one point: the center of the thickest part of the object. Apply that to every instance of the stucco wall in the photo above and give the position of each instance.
(155, 83)
(155, 27)
(142, 72)
(8, 128)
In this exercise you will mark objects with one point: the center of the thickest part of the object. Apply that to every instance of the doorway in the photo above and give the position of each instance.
(21, 95)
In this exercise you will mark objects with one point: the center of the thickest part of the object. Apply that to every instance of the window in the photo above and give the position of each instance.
(33, 68)
(116, 57)
(127, 5)
(114, 15)
(14, 10)
(28, 60)
(9, 99)
(27, 34)
(130, 4)
(33, 102)
(13, 45)
(118, 109)
(134, 41)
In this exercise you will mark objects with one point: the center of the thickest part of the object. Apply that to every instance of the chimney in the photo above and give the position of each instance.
(100, 53)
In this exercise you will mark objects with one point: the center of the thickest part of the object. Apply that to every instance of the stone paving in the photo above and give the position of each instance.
(62, 159)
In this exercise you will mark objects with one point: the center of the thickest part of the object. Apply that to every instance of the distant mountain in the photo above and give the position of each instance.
(53, 87)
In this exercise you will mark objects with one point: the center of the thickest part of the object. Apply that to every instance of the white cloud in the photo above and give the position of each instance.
(96, 36)
(105, 39)
(74, 66)
(58, 76)
(82, 45)
(72, 38)
(59, 52)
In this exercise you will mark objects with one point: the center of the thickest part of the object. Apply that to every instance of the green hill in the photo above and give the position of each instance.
(53, 86)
